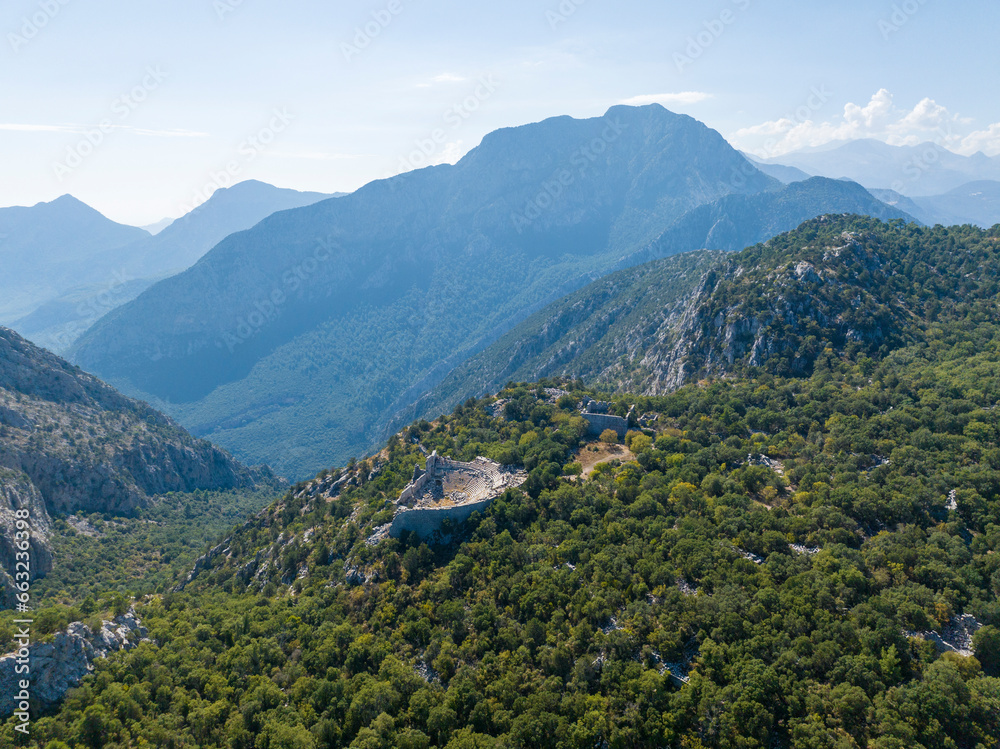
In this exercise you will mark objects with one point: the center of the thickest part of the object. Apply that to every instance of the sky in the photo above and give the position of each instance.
(142, 109)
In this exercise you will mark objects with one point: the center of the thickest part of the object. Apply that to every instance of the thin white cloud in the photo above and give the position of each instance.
(681, 97)
(83, 129)
(879, 119)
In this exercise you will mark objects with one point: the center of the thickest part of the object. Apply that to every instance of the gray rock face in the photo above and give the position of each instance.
(18, 493)
(60, 665)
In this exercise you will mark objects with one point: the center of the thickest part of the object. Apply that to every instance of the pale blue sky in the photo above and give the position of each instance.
(214, 73)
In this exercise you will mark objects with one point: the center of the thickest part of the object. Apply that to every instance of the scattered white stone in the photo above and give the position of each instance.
(611, 626)
(427, 673)
(687, 588)
(749, 555)
(953, 500)
(807, 550)
(956, 637)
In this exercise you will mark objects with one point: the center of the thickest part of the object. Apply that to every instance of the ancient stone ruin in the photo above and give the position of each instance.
(596, 414)
(448, 489)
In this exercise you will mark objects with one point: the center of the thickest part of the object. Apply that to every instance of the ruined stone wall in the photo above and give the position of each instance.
(415, 489)
(600, 422)
(425, 521)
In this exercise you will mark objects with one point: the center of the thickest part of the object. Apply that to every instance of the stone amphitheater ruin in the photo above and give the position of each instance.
(448, 489)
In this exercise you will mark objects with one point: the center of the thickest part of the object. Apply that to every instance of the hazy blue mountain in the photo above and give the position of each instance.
(922, 170)
(301, 339)
(121, 273)
(785, 174)
(908, 205)
(976, 203)
(49, 248)
(159, 226)
(56, 323)
(737, 221)
(228, 210)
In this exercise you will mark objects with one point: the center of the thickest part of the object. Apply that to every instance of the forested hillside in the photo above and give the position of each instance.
(785, 556)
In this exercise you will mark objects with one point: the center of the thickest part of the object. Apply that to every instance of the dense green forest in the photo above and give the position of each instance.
(103, 560)
(767, 572)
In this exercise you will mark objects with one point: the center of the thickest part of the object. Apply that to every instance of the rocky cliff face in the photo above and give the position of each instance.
(849, 285)
(778, 316)
(69, 442)
(61, 664)
(17, 492)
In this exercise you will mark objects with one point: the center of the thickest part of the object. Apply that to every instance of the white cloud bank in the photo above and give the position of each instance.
(880, 119)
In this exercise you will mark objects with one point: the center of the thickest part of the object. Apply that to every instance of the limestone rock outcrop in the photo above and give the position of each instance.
(60, 665)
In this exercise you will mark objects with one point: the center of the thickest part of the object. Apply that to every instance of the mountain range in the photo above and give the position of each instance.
(70, 265)
(300, 341)
(49, 248)
(976, 203)
(793, 545)
(921, 170)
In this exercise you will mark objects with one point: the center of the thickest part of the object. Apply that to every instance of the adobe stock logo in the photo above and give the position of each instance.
(122, 108)
(711, 32)
(32, 25)
(454, 117)
(552, 189)
(900, 16)
(224, 7)
(366, 34)
(566, 9)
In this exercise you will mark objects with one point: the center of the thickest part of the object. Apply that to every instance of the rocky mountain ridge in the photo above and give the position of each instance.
(837, 284)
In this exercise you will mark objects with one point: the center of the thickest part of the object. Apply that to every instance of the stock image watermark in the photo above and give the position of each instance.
(94, 307)
(34, 24)
(712, 31)
(562, 179)
(22, 637)
(900, 15)
(122, 108)
(371, 30)
(560, 15)
(269, 308)
(425, 149)
(224, 7)
(247, 152)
